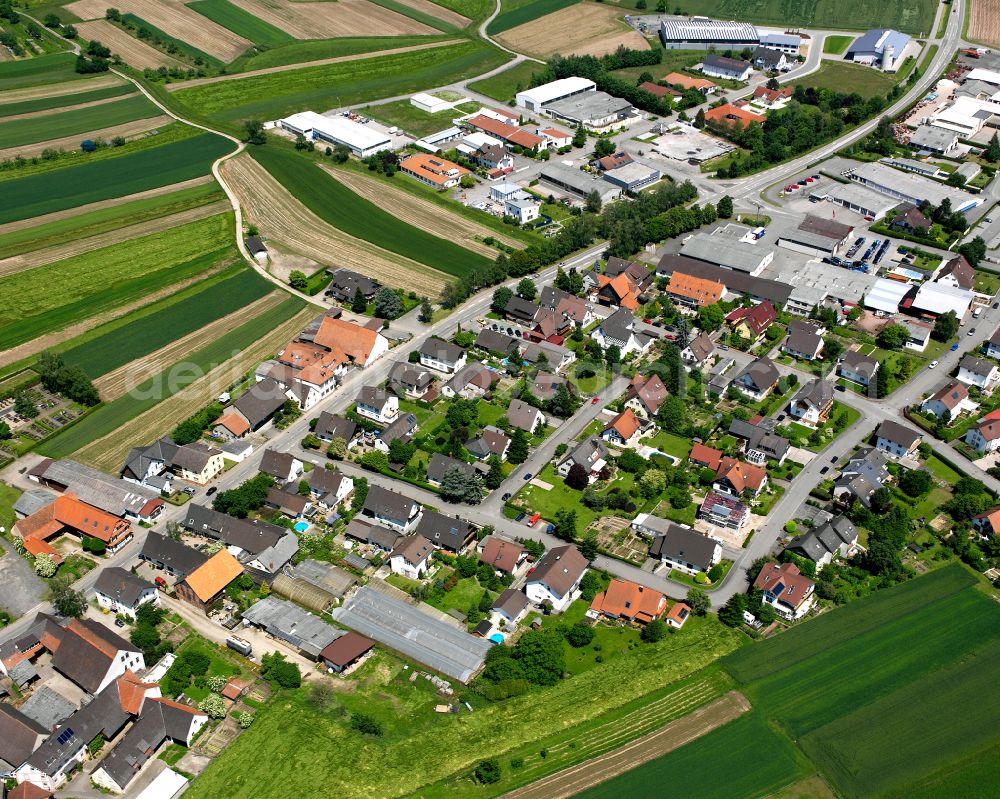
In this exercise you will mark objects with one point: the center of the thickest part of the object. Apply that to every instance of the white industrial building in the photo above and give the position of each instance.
(966, 116)
(886, 295)
(882, 48)
(935, 139)
(429, 103)
(572, 181)
(910, 187)
(598, 112)
(362, 140)
(727, 253)
(783, 42)
(433, 142)
(816, 236)
(632, 176)
(701, 33)
(934, 299)
(869, 203)
(985, 75)
(535, 99)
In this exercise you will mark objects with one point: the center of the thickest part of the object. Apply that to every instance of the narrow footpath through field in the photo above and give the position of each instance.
(571, 781)
(31, 260)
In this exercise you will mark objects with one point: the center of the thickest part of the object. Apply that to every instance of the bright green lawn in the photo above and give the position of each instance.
(241, 22)
(60, 100)
(839, 76)
(466, 594)
(671, 444)
(504, 85)
(941, 470)
(55, 68)
(610, 641)
(33, 129)
(403, 114)
(8, 496)
(837, 45)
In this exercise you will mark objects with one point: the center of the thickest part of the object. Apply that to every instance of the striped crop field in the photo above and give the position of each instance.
(241, 22)
(45, 127)
(60, 100)
(36, 71)
(518, 12)
(130, 173)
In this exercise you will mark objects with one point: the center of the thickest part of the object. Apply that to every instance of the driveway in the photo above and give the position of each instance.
(20, 588)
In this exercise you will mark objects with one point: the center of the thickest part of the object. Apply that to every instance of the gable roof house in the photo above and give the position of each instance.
(203, 587)
(330, 426)
(760, 443)
(684, 549)
(471, 381)
(734, 477)
(372, 534)
(619, 330)
(621, 291)
(785, 589)
(895, 439)
(993, 345)
(446, 532)
(645, 395)
(757, 379)
(858, 368)
(196, 462)
(122, 592)
(706, 457)
(510, 606)
(410, 555)
(439, 465)
(491, 441)
(391, 509)
(92, 656)
(637, 272)
(772, 98)
(626, 429)
(282, 466)
(910, 219)
(403, 429)
(949, 402)
(503, 556)
(520, 311)
(987, 523)
(356, 345)
(770, 60)
(694, 292)
(590, 453)
(957, 273)
(556, 577)
(345, 651)
(163, 552)
(330, 487)
(864, 473)
(836, 537)
(67, 514)
(524, 416)
(494, 341)
(724, 510)
(256, 406)
(699, 352)
(752, 323)
(629, 601)
(984, 436)
(377, 404)
(442, 356)
(813, 402)
(19, 737)
(717, 66)
(804, 340)
(344, 284)
(410, 379)
(979, 372)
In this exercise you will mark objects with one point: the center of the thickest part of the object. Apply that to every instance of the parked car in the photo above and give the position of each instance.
(839, 388)
(505, 497)
(833, 459)
(932, 364)
(211, 491)
(520, 517)
(119, 623)
(595, 400)
(528, 476)
(954, 346)
(972, 330)
(824, 470)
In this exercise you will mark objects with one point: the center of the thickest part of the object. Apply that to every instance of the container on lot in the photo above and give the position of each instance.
(240, 645)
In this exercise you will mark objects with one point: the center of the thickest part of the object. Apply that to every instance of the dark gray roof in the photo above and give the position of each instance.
(767, 57)
(373, 396)
(277, 464)
(701, 347)
(817, 392)
(83, 662)
(619, 325)
(332, 426)
(441, 350)
(401, 428)
(804, 338)
(978, 366)
(287, 621)
(897, 433)
(255, 245)
(762, 372)
(47, 707)
(559, 568)
(680, 543)
(325, 482)
(863, 365)
(390, 504)
(444, 531)
(260, 402)
(511, 602)
(723, 62)
(522, 415)
(587, 452)
(121, 585)
(493, 341)
(440, 465)
(374, 534)
(179, 558)
(344, 283)
(736, 282)
(520, 308)
(408, 375)
(252, 536)
(825, 539)
(32, 501)
(19, 735)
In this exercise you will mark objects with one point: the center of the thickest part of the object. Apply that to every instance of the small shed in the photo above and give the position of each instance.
(256, 248)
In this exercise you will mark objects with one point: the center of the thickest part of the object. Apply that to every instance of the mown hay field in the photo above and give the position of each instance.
(586, 29)
(55, 126)
(984, 21)
(240, 22)
(104, 438)
(286, 221)
(519, 12)
(9, 109)
(321, 20)
(133, 52)
(103, 179)
(50, 297)
(437, 11)
(59, 89)
(322, 87)
(336, 204)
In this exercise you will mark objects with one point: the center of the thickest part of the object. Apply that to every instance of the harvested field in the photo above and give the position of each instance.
(115, 384)
(642, 750)
(175, 19)
(19, 263)
(60, 89)
(330, 20)
(278, 214)
(188, 84)
(108, 452)
(434, 10)
(132, 51)
(125, 130)
(984, 21)
(82, 209)
(423, 213)
(587, 29)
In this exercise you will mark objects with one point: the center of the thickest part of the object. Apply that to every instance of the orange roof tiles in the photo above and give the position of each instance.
(626, 423)
(102, 645)
(432, 168)
(67, 511)
(132, 692)
(214, 575)
(234, 423)
(625, 599)
(506, 132)
(687, 82)
(659, 91)
(355, 341)
(678, 614)
(625, 289)
(703, 292)
(711, 458)
(28, 790)
(729, 114)
(741, 475)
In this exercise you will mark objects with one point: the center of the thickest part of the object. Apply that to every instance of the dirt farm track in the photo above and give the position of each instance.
(984, 21)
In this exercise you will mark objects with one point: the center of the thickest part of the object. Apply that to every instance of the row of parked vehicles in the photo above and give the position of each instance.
(793, 187)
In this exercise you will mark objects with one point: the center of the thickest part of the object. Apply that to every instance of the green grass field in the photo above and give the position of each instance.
(182, 47)
(928, 650)
(30, 130)
(299, 52)
(51, 297)
(405, 115)
(93, 223)
(323, 87)
(60, 100)
(150, 332)
(839, 77)
(912, 16)
(504, 85)
(54, 68)
(517, 12)
(416, 14)
(149, 394)
(836, 45)
(342, 208)
(241, 22)
(111, 177)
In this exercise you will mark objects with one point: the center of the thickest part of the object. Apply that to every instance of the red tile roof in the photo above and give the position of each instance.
(625, 599)
(729, 114)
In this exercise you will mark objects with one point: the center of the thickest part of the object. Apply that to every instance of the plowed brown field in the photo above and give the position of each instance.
(280, 216)
(133, 52)
(330, 20)
(586, 29)
(984, 21)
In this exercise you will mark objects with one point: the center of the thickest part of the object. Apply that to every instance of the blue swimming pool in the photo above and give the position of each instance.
(497, 638)
(301, 527)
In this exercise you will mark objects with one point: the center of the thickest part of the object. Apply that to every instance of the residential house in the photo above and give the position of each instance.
(282, 466)
(645, 395)
(511, 606)
(984, 436)
(354, 344)
(678, 615)
(345, 284)
(987, 523)
(864, 473)
(757, 379)
(993, 345)
(770, 60)
(785, 589)
(957, 273)
(555, 137)
(377, 404)
(520, 311)
(660, 91)
(619, 330)
(446, 532)
(403, 429)
(591, 454)
(410, 557)
(920, 335)
(575, 309)
(19, 737)
(494, 159)
(330, 426)
(717, 66)
(67, 514)
(544, 385)
(330, 487)
(638, 273)
(307, 371)
(547, 354)
(812, 403)
(472, 381)
(92, 656)
(626, 429)
(173, 557)
(505, 557)
(410, 380)
(613, 161)
(705, 457)
(979, 372)
(910, 219)
(555, 580)
(291, 504)
(699, 352)
(491, 441)
(736, 477)
(442, 356)
(524, 416)
(835, 538)
(618, 292)
(895, 439)
(345, 652)
(760, 442)
(752, 323)
(624, 600)
(694, 292)
(373, 535)
(497, 343)
(391, 509)
(804, 340)
(196, 463)
(728, 115)
(117, 497)
(858, 368)
(686, 82)
(685, 550)
(949, 402)
(439, 465)
(433, 170)
(724, 510)
(121, 592)
(204, 586)
(255, 407)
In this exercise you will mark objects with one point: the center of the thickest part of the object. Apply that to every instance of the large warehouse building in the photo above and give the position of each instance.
(536, 99)
(361, 139)
(910, 187)
(882, 48)
(701, 33)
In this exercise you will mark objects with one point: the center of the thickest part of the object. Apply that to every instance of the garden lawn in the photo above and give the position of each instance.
(403, 114)
(610, 641)
(60, 100)
(941, 470)
(987, 282)
(504, 85)
(671, 444)
(346, 83)
(241, 22)
(333, 202)
(837, 45)
(148, 333)
(128, 270)
(294, 733)
(464, 595)
(153, 391)
(53, 126)
(55, 68)
(8, 496)
(836, 75)
(151, 168)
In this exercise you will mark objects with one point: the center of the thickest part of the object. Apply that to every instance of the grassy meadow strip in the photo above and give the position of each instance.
(30, 130)
(60, 100)
(241, 22)
(41, 69)
(300, 52)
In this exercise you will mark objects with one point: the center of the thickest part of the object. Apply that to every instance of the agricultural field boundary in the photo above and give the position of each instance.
(44, 109)
(241, 22)
(32, 260)
(253, 73)
(524, 13)
(15, 96)
(125, 130)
